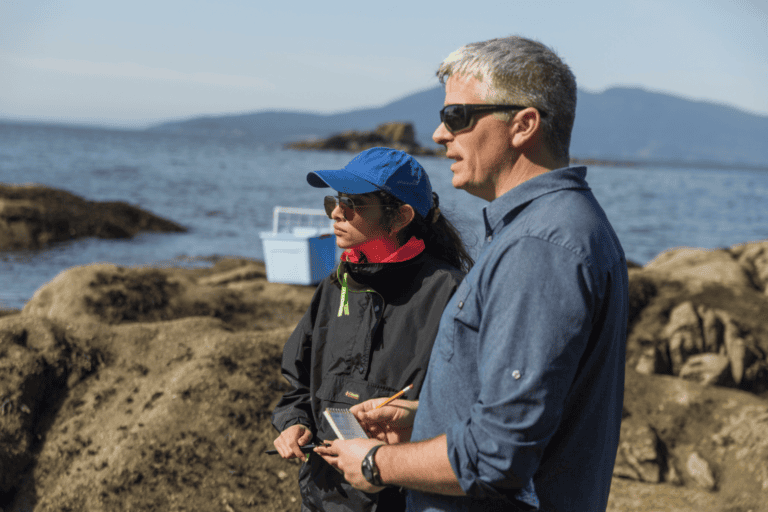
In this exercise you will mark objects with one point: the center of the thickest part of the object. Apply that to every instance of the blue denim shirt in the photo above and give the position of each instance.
(526, 377)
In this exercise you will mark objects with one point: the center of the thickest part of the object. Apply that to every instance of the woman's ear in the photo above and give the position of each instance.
(405, 215)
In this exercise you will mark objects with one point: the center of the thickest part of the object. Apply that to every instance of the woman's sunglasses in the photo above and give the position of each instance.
(330, 203)
(459, 117)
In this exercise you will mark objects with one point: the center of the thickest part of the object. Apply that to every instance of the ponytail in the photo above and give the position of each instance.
(441, 238)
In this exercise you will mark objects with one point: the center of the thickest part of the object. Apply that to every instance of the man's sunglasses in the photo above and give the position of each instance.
(459, 117)
(330, 203)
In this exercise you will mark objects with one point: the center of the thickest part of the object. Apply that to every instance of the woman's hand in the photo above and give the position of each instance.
(392, 424)
(347, 457)
(290, 441)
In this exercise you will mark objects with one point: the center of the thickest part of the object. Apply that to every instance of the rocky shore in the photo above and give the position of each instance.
(35, 216)
(152, 389)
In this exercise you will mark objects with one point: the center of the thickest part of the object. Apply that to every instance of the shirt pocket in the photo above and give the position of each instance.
(343, 391)
(460, 321)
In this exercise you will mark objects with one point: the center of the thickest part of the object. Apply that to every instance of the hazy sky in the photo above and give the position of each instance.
(133, 63)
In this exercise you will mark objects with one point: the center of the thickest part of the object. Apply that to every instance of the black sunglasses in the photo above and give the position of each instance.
(330, 202)
(459, 117)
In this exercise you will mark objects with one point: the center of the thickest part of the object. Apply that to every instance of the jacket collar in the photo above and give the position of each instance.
(365, 276)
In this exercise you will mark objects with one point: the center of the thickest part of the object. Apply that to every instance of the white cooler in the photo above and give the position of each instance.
(301, 248)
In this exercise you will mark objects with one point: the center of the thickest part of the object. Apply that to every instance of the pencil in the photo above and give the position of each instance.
(396, 395)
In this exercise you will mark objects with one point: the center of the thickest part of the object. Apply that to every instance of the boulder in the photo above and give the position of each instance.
(142, 389)
(35, 216)
(698, 439)
(700, 266)
(754, 258)
(639, 457)
(707, 369)
(687, 314)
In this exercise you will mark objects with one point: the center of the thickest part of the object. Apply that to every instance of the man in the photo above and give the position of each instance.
(521, 406)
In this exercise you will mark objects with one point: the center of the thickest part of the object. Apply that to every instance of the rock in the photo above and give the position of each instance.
(754, 257)
(739, 355)
(104, 293)
(161, 382)
(35, 216)
(148, 401)
(699, 266)
(652, 361)
(37, 361)
(682, 344)
(399, 133)
(641, 291)
(682, 318)
(244, 273)
(707, 369)
(638, 457)
(711, 328)
(393, 135)
(745, 435)
(756, 377)
(699, 470)
(684, 334)
(698, 322)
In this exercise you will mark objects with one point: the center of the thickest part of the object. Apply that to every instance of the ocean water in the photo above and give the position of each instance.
(224, 192)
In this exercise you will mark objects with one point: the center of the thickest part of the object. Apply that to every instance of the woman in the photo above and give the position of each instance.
(369, 330)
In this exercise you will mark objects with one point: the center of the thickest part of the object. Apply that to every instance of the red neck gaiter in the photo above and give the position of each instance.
(383, 250)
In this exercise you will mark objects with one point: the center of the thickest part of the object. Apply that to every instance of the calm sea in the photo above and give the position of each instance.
(224, 191)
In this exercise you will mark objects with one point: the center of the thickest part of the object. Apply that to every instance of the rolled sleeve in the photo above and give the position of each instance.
(528, 321)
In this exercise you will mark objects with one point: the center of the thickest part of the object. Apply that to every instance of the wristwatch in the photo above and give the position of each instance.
(369, 469)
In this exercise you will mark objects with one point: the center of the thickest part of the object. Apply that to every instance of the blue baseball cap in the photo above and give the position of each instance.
(384, 169)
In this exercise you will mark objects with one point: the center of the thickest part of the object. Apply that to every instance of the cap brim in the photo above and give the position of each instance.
(341, 181)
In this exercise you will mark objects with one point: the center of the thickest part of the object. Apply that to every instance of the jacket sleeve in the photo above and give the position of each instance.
(295, 405)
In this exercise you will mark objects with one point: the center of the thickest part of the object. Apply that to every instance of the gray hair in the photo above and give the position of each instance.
(523, 72)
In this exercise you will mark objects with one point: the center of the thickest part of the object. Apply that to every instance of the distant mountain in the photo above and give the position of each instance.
(621, 123)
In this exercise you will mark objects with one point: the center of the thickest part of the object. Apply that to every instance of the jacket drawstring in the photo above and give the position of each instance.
(344, 304)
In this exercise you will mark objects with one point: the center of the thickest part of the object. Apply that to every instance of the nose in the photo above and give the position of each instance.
(441, 134)
(338, 213)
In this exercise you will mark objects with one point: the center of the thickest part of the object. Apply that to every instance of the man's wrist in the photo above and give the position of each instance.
(369, 468)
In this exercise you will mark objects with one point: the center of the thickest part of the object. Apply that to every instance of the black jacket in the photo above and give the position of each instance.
(335, 359)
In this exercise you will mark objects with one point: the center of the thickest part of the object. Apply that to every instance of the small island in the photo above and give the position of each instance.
(35, 216)
(395, 135)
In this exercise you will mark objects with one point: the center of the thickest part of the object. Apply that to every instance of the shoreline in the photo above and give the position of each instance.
(128, 385)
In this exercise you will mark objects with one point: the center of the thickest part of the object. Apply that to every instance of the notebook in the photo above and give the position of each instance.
(344, 423)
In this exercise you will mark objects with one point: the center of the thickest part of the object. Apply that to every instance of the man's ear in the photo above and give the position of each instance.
(525, 127)
(405, 215)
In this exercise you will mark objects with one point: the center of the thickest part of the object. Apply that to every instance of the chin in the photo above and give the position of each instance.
(461, 185)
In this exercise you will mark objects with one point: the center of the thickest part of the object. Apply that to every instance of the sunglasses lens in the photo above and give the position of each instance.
(329, 202)
(454, 117)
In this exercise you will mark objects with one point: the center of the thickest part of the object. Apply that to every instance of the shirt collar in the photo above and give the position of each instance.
(550, 181)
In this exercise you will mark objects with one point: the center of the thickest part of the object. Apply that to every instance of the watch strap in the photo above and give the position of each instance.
(370, 470)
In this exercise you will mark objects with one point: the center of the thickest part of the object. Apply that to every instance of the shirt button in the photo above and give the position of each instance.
(516, 375)
(461, 304)
(490, 237)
